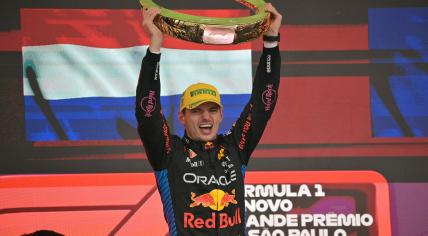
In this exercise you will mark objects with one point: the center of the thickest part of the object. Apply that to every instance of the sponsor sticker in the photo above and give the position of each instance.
(148, 103)
(269, 97)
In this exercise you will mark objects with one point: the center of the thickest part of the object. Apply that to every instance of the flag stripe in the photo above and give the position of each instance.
(321, 37)
(105, 28)
(122, 28)
(97, 118)
(72, 71)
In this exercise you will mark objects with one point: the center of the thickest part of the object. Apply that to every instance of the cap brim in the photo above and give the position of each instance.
(200, 102)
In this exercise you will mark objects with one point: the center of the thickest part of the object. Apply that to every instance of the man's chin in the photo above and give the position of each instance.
(206, 138)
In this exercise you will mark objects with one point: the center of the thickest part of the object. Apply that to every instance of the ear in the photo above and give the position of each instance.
(181, 117)
(221, 114)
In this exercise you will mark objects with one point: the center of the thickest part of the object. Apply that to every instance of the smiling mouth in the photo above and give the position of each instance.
(206, 128)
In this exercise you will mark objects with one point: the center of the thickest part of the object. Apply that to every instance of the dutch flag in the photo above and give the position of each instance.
(81, 67)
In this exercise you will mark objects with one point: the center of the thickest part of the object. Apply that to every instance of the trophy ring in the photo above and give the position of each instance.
(212, 30)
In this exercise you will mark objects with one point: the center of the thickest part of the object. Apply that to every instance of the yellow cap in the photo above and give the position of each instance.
(199, 93)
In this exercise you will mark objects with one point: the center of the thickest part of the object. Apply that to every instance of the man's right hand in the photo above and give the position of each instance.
(156, 36)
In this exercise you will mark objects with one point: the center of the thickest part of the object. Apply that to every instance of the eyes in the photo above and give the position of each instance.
(212, 110)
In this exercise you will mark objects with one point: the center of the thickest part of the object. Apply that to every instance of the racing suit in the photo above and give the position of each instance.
(202, 183)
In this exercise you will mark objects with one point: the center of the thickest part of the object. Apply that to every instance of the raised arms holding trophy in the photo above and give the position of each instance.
(200, 176)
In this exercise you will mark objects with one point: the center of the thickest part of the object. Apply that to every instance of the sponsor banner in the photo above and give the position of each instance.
(304, 203)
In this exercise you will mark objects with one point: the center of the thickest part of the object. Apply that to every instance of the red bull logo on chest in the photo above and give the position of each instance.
(217, 199)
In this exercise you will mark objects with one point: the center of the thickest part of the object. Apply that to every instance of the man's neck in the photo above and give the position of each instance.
(200, 143)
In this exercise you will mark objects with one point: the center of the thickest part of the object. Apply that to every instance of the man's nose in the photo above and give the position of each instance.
(205, 114)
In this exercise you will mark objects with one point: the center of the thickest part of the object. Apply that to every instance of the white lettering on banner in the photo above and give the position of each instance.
(282, 190)
(263, 205)
(329, 220)
(270, 211)
(273, 220)
(319, 192)
(308, 232)
(192, 178)
(340, 232)
(265, 232)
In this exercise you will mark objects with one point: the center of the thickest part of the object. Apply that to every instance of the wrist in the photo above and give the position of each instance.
(158, 38)
(268, 44)
(156, 42)
(271, 34)
(271, 38)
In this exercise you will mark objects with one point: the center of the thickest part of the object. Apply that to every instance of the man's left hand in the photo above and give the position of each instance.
(275, 20)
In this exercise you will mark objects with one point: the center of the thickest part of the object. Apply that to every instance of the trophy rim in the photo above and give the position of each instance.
(259, 7)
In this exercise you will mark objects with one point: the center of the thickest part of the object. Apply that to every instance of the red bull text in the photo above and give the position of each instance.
(190, 221)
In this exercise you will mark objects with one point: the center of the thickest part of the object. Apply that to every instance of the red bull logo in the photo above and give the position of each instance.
(217, 199)
(224, 220)
(220, 154)
(209, 145)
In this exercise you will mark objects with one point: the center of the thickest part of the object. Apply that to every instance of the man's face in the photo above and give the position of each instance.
(202, 123)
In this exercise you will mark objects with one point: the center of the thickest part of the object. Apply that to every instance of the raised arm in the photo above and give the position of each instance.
(152, 126)
(156, 36)
(249, 127)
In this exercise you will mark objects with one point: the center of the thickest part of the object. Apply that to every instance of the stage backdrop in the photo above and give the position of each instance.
(345, 152)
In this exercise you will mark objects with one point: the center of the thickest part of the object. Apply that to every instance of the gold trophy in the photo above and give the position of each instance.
(212, 30)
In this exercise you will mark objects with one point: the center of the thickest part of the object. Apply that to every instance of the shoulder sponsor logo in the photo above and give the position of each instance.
(269, 97)
(268, 63)
(192, 154)
(157, 71)
(194, 163)
(148, 103)
(226, 162)
(244, 133)
(220, 154)
(165, 133)
(191, 159)
(229, 132)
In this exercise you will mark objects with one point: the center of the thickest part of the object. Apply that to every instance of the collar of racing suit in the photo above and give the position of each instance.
(201, 145)
(211, 148)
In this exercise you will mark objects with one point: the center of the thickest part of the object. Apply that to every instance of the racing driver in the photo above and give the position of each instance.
(200, 176)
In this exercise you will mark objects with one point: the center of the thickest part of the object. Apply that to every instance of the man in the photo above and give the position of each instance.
(200, 176)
